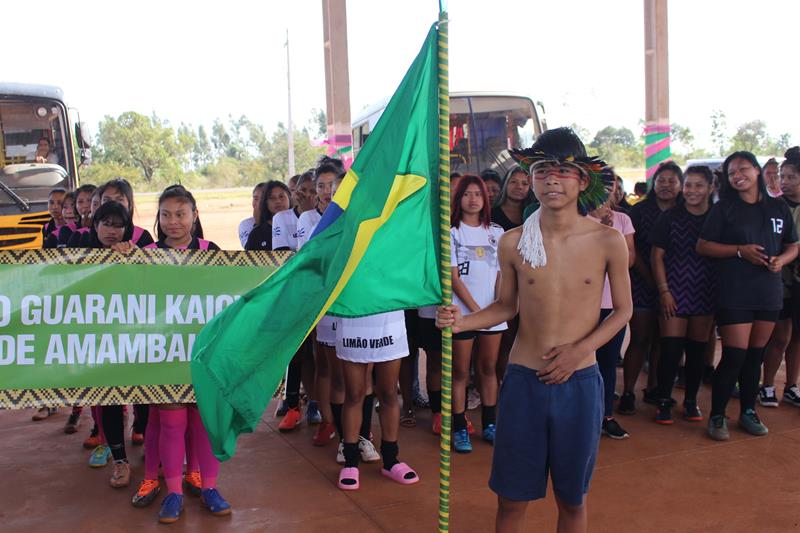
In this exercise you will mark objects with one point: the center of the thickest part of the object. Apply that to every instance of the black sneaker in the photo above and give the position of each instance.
(664, 413)
(627, 404)
(651, 396)
(612, 429)
(691, 412)
(767, 397)
(708, 375)
(791, 394)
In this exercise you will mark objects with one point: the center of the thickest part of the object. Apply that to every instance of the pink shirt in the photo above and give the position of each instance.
(622, 223)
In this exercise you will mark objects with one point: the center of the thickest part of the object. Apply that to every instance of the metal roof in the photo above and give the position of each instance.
(30, 89)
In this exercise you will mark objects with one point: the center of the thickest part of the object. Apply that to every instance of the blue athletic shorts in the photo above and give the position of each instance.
(545, 429)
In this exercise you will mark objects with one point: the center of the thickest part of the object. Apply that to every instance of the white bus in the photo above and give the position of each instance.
(483, 126)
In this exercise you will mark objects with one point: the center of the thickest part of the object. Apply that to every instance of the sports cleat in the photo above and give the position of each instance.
(613, 430)
(461, 442)
(121, 476)
(43, 413)
(368, 452)
(313, 416)
(282, 408)
(489, 433)
(93, 440)
(767, 397)
(718, 428)
(325, 433)
(193, 483)
(100, 457)
(691, 412)
(72, 424)
(436, 423)
(791, 394)
(291, 420)
(750, 422)
(148, 490)
(627, 404)
(470, 427)
(664, 413)
(215, 503)
(171, 508)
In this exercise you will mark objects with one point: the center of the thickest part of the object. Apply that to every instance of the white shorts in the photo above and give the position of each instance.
(372, 339)
(326, 330)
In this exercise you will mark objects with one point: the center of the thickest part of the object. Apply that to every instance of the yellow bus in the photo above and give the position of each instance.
(31, 167)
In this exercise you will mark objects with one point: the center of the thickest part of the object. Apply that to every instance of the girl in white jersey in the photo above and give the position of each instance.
(362, 343)
(474, 241)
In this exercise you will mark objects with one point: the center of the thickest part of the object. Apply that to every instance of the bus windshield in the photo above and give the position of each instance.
(32, 132)
(484, 127)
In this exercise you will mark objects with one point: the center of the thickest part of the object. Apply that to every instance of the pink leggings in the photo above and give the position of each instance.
(172, 447)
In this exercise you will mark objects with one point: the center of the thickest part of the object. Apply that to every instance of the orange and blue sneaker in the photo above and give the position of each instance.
(171, 508)
(193, 483)
(215, 503)
(148, 490)
(291, 420)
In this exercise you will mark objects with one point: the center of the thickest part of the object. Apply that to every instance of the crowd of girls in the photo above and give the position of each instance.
(699, 269)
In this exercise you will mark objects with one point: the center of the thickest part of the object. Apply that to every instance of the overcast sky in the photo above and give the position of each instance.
(194, 61)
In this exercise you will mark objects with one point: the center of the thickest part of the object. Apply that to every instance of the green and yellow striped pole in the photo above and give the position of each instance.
(444, 269)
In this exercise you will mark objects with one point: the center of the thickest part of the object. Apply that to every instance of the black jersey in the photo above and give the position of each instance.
(769, 223)
(260, 238)
(499, 217)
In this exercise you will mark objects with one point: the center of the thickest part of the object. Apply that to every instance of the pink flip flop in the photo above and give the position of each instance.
(348, 474)
(398, 474)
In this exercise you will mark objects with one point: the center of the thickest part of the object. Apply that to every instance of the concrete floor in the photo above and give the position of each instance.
(662, 479)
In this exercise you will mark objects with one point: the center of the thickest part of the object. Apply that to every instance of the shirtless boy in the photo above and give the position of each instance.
(552, 271)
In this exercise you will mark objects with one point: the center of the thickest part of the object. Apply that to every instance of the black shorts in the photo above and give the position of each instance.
(730, 317)
(470, 335)
(429, 337)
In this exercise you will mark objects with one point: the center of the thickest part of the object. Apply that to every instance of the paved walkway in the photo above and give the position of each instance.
(662, 479)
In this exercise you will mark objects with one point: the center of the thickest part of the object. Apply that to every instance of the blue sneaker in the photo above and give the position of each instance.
(171, 508)
(313, 415)
(100, 456)
(215, 503)
(461, 441)
(488, 433)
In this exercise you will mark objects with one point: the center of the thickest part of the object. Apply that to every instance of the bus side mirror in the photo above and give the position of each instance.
(84, 142)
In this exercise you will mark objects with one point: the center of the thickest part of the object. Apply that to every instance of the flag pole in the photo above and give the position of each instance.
(444, 273)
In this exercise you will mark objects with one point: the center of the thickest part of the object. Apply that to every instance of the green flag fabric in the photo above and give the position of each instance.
(375, 250)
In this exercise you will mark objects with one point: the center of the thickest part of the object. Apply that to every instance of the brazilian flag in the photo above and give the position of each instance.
(375, 250)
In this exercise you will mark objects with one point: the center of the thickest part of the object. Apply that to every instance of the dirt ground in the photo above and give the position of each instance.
(220, 212)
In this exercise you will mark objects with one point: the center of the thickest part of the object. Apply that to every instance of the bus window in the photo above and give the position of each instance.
(32, 132)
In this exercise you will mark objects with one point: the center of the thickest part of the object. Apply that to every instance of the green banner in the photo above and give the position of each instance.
(97, 327)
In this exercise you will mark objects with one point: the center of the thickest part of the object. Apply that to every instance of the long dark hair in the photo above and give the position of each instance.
(123, 186)
(663, 167)
(263, 208)
(178, 192)
(456, 211)
(726, 192)
(116, 212)
(529, 197)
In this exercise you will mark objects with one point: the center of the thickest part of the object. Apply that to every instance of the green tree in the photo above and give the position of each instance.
(719, 123)
(751, 136)
(146, 143)
(318, 126)
(276, 156)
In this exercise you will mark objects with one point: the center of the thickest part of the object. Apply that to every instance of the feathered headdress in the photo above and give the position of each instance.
(562, 145)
